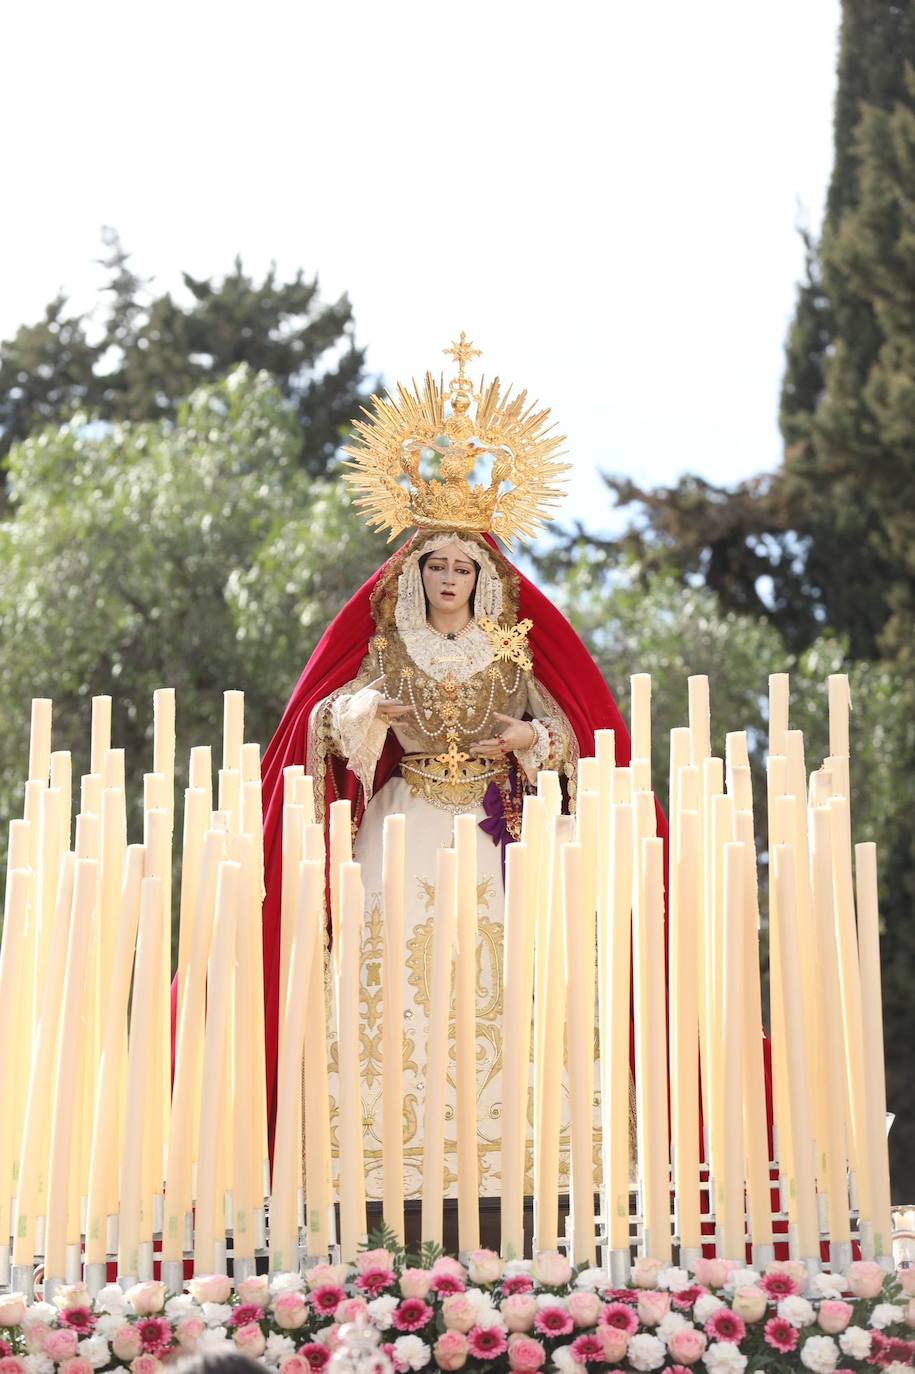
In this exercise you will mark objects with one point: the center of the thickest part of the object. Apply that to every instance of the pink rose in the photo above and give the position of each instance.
(653, 1306)
(750, 1302)
(71, 1295)
(687, 1345)
(865, 1278)
(450, 1350)
(12, 1308)
(904, 1277)
(250, 1340)
(330, 1336)
(710, 1272)
(77, 1365)
(11, 1364)
(147, 1298)
(290, 1311)
(255, 1289)
(189, 1330)
(834, 1316)
(584, 1308)
(321, 1274)
(210, 1288)
(519, 1311)
(447, 1265)
(525, 1355)
(126, 1342)
(350, 1310)
(145, 1364)
(645, 1273)
(458, 1312)
(552, 1268)
(295, 1364)
(484, 1266)
(36, 1333)
(614, 1340)
(61, 1344)
(373, 1259)
(793, 1268)
(415, 1283)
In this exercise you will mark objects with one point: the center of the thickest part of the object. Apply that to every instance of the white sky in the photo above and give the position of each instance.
(605, 196)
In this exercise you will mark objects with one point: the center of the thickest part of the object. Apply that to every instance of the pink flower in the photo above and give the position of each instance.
(82, 1319)
(517, 1283)
(61, 1344)
(686, 1298)
(552, 1268)
(11, 1364)
(834, 1316)
(77, 1365)
(865, 1278)
(584, 1307)
(295, 1364)
(587, 1349)
(374, 1281)
(5, 1349)
(484, 1266)
(778, 1285)
(245, 1313)
(446, 1265)
(795, 1269)
(614, 1341)
(189, 1330)
(36, 1333)
(324, 1300)
(321, 1274)
(687, 1345)
(12, 1308)
(350, 1310)
(250, 1339)
(458, 1312)
(155, 1335)
(415, 1283)
(750, 1302)
(290, 1310)
(367, 1260)
(450, 1350)
(445, 1283)
(525, 1355)
(780, 1334)
(71, 1295)
(725, 1325)
(317, 1355)
(210, 1288)
(519, 1311)
(712, 1273)
(645, 1273)
(653, 1306)
(618, 1314)
(148, 1297)
(677, 1369)
(486, 1342)
(145, 1364)
(255, 1290)
(553, 1321)
(126, 1343)
(412, 1314)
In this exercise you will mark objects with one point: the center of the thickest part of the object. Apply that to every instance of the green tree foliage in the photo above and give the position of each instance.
(198, 556)
(143, 354)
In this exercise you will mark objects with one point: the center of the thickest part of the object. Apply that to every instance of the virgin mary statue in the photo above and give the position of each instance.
(441, 688)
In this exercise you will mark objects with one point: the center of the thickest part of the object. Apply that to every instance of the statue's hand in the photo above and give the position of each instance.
(388, 707)
(515, 737)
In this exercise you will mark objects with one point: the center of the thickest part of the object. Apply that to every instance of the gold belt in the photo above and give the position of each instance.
(452, 781)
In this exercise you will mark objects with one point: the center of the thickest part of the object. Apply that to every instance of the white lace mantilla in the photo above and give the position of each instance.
(469, 652)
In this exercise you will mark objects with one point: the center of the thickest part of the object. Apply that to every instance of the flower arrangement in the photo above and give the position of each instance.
(488, 1317)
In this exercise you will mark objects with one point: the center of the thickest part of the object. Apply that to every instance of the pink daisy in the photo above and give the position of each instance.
(80, 1318)
(246, 1312)
(553, 1321)
(685, 1369)
(688, 1296)
(618, 1314)
(374, 1281)
(155, 1335)
(326, 1298)
(316, 1355)
(587, 1350)
(518, 1283)
(446, 1283)
(778, 1285)
(411, 1315)
(780, 1334)
(486, 1342)
(725, 1325)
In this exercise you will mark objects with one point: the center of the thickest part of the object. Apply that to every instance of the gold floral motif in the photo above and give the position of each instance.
(509, 642)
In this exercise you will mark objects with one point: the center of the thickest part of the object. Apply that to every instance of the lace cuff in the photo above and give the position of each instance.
(535, 758)
(359, 732)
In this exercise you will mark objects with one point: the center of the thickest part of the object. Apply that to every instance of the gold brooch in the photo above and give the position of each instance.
(509, 642)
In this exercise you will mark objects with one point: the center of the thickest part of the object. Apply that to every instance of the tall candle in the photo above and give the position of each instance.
(112, 858)
(578, 917)
(778, 713)
(776, 787)
(291, 859)
(114, 770)
(196, 823)
(722, 830)
(21, 857)
(392, 880)
(101, 733)
(640, 697)
(13, 1033)
(200, 770)
(103, 1161)
(230, 797)
(215, 1110)
(712, 785)
(808, 1235)
(651, 1051)
(50, 848)
(233, 728)
(164, 767)
(352, 1165)
(443, 936)
(684, 1024)
(730, 1197)
(872, 1021)
(517, 1008)
(839, 707)
(157, 847)
(253, 825)
(699, 721)
(317, 1121)
(303, 794)
(62, 782)
(134, 1223)
(605, 751)
(60, 1222)
(615, 1074)
(587, 777)
(305, 949)
(40, 740)
(465, 1033)
(341, 852)
(247, 1173)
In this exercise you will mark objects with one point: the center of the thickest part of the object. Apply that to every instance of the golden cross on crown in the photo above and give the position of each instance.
(462, 350)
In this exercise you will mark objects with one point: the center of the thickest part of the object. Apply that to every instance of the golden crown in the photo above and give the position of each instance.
(431, 428)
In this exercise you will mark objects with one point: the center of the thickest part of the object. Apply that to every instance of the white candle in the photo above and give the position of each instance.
(101, 733)
(839, 707)
(699, 721)
(651, 1052)
(157, 847)
(13, 1033)
(317, 1120)
(253, 825)
(436, 1067)
(352, 1165)
(587, 776)
(872, 1019)
(578, 917)
(233, 728)
(196, 824)
(40, 740)
(114, 770)
(112, 858)
(62, 782)
(200, 770)
(20, 857)
(392, 880)
(247, 1156)
(517, 1004)
(684, 1023)
(216, 1109)
(465, 1033)
(778, 713)
(341, 852)
(230, 797)
(730, 1197)
(615, 1068)
(640, 698)
(291, 859)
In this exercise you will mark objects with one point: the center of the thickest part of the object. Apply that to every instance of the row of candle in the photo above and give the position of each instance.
(101, 1145)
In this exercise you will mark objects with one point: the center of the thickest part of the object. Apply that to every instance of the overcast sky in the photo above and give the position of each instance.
(605, 196)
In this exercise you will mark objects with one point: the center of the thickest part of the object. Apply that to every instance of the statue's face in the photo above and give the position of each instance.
(449, 577)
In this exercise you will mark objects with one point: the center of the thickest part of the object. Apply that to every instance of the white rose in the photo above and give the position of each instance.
(180, 1306)
(856, 1342)
(111, 1299)
(591, 1279)
(674, 1279)
(412, 1351)
(38, 1364)
(820, 1353)
(566, 1362)
(724, 1357)
(286, 1283)
(518, 1266)
(216, 1313)
(213, 1339)
(486, 1313)
(549, 1300)
(742, 1278)
(108, 1323)
(646, 1352)
(830, 1285)
(39, 1312)
(798, 1311)
(95, 1350)
(277, 1348)
(381, 1309)
(674, 1321)
(705, 1305)
(885, 1314)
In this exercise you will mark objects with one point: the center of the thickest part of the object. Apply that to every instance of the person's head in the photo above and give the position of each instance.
(449, 577)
